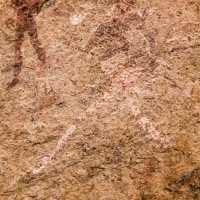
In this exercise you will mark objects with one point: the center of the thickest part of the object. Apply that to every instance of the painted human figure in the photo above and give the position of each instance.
(25, 23)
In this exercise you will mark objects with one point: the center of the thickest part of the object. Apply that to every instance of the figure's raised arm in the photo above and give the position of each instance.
(36, 5)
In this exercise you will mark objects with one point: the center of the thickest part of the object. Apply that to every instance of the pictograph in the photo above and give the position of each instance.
(123, 75)
(117, 62)
(25, 22)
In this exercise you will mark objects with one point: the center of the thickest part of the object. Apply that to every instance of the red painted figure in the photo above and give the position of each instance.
(25, 22)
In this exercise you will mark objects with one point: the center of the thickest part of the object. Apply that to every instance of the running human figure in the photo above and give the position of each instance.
(25, 22)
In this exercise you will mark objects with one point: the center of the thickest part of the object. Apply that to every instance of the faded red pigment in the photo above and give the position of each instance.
(25, 23)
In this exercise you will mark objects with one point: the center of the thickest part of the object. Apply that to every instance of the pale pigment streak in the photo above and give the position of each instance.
(58, 147)
(77, 19)
(125, 81)
(144, 122)
(148, 48)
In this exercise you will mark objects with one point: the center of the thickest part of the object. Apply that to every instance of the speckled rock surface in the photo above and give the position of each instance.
(100, 100)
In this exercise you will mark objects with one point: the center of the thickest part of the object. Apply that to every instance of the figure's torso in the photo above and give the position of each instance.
(25, 11)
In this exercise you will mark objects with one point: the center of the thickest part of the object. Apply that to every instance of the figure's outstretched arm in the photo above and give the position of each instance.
(36, 5)
(33, 5)
(41, 3)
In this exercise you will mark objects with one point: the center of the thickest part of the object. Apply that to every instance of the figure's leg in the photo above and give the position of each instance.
(19, 36)
(32, 32)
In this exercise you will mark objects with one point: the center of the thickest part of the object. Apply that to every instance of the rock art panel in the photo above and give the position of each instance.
(104, 103)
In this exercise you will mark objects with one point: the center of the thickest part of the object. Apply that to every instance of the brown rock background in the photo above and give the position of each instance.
(115, 114)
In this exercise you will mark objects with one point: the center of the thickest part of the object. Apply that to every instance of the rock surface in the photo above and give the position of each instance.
(100, 99)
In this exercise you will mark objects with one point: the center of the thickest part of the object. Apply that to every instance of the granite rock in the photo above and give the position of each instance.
(100, 99)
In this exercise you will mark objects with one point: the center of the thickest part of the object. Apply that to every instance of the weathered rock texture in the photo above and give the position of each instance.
(100, 99)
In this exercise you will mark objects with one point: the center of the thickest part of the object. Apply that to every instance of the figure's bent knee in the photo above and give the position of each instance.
(41, 54)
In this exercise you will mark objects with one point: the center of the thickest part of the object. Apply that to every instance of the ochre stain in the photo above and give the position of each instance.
(49, 98)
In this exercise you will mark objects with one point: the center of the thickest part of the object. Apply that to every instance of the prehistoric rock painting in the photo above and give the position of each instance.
(124, 75)
(25, 23)
(122, 116)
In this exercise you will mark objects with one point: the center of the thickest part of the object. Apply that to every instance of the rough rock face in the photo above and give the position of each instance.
(100, 99)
